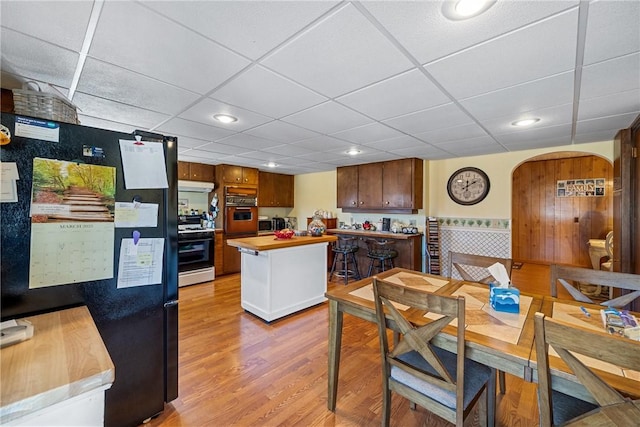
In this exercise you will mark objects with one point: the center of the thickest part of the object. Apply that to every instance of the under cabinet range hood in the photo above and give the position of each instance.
(195, 186)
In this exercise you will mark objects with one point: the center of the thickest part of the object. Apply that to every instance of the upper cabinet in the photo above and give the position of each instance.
(275, 190)
(196, 172)
(394, 186)
(232, 174)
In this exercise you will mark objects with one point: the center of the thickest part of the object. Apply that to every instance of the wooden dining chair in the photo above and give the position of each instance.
(445, 383)
(572, 277)
(571, 342)
(473, 268)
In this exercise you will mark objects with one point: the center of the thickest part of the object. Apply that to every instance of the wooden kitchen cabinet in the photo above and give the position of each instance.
(230, 259)
(275, 190)
(218, 253)
(232, 174)
(394, 186)
(196, 172)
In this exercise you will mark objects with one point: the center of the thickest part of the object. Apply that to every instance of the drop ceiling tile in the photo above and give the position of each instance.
(134, 37)
(282, 132)
(187, 142)
(222, 149)
(291, 150)
(367, 133)
(616, 123)
(552, 116)
(327, 118)
(121, 85)
(117, 112)
(406, 93)
(616, 75)
(248, 141)
(613, 30)
(391, 144)
(541, 143)
(473, 147)
(426, 151)
(251, 28)
(561, 133)
(511, 59)
(265, 92)
(439, 136)
(428, 35)
(427, 120)
(35, 17)
(546, 92)
(24, 56)
(264, 157)
(343, 52)
(201, 156)
(182, 127)
(611, 105)
(204, 110)
(597, 136)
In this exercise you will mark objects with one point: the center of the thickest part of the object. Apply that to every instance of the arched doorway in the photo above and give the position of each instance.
(554, 218)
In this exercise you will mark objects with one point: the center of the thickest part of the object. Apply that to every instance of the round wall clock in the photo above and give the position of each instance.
(468, 186)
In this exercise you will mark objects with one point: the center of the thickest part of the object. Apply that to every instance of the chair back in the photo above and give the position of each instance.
(381, 248)
(345, 243)
(473, 268)
(569, 277)
(419, 339)
(571, 342)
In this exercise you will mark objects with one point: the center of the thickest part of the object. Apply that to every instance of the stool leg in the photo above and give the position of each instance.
(370, 267)
(345, 267)
(333, 265)
(357, 269)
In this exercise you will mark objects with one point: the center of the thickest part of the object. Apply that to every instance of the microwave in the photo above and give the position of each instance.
(265, 225)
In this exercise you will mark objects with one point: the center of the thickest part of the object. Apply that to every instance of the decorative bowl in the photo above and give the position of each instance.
(284, 234)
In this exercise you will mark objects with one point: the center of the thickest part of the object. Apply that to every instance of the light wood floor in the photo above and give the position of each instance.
(236, 370)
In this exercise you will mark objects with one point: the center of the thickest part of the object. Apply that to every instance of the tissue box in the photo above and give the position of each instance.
(504, 299)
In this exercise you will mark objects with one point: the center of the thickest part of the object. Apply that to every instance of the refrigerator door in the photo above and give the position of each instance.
(140, 335)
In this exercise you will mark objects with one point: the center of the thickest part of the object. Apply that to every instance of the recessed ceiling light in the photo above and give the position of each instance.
(225, 118)
(525, 122)
(465, 9)
(271, 165)
(353, 152)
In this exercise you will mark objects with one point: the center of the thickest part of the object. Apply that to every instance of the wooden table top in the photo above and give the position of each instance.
(569, 311)
(505, 338)
(65, 358)
(266, 243)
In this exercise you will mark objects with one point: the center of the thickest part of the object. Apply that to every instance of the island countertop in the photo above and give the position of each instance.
(373, 234)
(65, 358)
(265, 243)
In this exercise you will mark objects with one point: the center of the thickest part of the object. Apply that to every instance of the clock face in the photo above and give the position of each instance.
(468, 186)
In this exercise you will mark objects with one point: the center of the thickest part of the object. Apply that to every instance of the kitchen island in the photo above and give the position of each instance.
(282, 276)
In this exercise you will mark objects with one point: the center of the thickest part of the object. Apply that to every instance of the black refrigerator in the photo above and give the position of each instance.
(138, 324)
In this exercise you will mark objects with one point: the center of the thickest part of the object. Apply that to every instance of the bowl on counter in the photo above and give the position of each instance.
(284, 234)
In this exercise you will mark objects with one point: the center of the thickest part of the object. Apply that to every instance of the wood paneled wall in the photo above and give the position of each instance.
(552, 229)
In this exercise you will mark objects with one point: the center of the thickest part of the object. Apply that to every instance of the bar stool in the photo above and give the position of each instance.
(381, 251)
(345, 248)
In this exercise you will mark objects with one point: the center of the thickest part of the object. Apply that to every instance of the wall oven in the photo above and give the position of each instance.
(195, 251)
(241, 211)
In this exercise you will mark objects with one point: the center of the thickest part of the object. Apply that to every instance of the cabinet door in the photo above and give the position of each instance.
(370, 186)
(250, 176)
(397, 184)
(266, 189)
(232, 174)
(347, 187)
(231, 259)
(201, 172)
(283, 190)
(183, 170)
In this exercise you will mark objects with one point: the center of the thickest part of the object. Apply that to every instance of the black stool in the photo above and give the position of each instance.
(345, 248)
(381, 251)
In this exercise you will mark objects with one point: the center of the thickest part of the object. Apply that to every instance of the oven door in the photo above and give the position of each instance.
(194, 253)
(241, 220)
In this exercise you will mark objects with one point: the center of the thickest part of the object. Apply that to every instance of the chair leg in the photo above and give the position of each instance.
(356, 268)
(502, 382)
(386, 407)
(345, 267)
(370, 267)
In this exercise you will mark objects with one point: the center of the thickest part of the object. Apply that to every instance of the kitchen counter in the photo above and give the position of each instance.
(409, 247)
(59, 376)
(281, 277)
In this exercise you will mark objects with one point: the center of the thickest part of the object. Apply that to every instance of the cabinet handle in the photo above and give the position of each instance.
(387, 202)
(353, 203)
(362, 203)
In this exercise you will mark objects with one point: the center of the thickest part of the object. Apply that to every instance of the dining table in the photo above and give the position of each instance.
(501, 341)
(562, 379)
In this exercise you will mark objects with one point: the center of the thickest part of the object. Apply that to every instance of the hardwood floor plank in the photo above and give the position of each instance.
(237, 370)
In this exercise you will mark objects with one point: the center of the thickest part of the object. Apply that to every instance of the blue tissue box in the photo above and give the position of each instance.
(504, 299)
